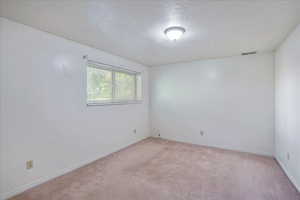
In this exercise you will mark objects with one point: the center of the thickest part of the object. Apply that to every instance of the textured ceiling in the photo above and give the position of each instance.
(134, 28)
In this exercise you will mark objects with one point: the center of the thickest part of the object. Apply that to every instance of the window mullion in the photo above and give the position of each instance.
(135, 87)
(113, 85)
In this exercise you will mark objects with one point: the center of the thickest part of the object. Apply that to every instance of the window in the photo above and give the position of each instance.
(112, 85)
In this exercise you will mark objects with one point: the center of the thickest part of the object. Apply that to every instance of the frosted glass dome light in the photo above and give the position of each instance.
(174, 33)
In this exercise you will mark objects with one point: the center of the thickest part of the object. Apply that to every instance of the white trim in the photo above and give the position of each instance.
(114, 70)
(289, 175)
(19, 189)
(100, 65)
(113, 86)
(43, 179)
(113, 103)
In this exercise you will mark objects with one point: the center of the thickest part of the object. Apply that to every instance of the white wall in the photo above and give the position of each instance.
(230, 99)
(44, 116)
(1, 107)
(287, 95)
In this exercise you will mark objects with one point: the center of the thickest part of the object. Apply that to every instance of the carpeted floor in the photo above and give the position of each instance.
(156, 169)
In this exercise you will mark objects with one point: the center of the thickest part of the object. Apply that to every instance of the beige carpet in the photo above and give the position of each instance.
(156, 169)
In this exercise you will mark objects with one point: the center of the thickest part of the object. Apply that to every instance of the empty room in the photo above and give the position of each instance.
(149, 100)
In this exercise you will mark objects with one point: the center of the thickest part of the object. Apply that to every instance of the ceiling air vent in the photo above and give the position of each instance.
(249, 53)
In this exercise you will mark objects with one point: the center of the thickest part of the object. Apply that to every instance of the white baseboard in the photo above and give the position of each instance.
(44, 179)
(289, 175)
(223, 147)
(57, 173)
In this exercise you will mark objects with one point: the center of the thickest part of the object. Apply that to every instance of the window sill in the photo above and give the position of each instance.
(113, 103)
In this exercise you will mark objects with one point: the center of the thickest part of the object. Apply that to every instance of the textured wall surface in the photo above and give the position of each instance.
(287, 122)
(231, 100)
(43, 107)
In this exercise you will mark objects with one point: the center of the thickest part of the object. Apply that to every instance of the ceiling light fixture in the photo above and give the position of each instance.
(174, 33)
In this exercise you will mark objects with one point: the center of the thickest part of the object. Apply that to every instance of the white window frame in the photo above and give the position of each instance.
(114, 69)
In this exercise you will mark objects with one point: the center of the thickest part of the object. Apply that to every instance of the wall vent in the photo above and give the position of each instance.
(249, 53)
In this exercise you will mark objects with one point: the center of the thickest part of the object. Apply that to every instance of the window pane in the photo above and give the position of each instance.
(99, 84)
(124, 86)
(139, 87)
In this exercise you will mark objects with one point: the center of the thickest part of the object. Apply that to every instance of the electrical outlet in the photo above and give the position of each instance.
(288, 156)
(29, 164)
(156, 132)
(134, 131)
(202, 133)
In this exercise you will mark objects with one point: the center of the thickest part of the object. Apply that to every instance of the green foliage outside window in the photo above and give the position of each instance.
(108, 86)
(125, 86)
(99, 86)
